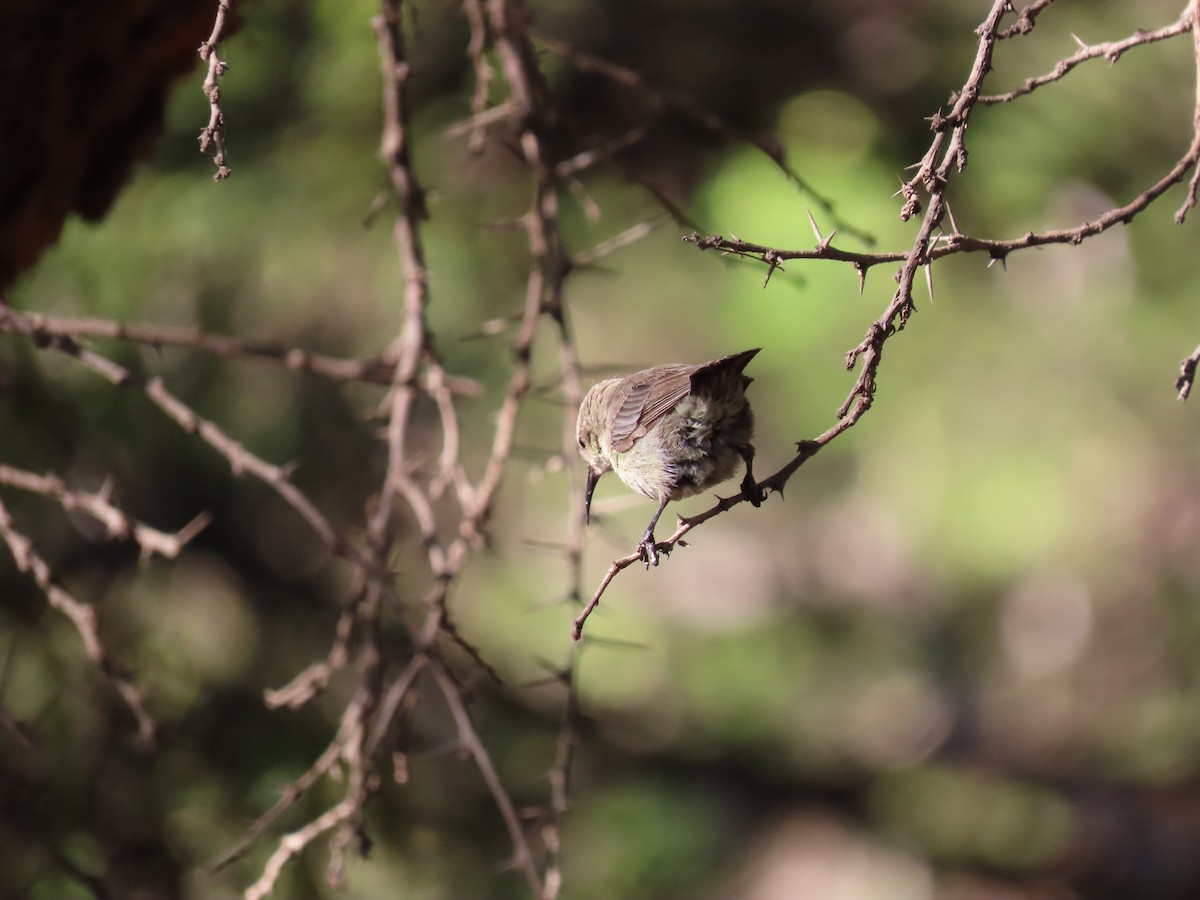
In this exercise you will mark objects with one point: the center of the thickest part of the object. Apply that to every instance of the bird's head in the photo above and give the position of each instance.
(588, 430)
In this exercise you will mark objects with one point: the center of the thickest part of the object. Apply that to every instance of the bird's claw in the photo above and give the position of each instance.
(648, 552)
(751, 492)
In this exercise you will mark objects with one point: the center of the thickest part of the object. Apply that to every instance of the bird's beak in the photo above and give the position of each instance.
(592, 477)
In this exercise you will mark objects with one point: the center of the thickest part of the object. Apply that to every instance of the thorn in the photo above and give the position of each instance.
(194, 527)
(1078, 40)
(929, 280)
(772, 264)
(813, 223)
(862, 278)
(950, 216)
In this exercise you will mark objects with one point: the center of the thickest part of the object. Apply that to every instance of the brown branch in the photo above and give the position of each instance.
(1187, 368)
(775, 482)
(477, 53)
(292, 845)
(933, 178)
(83, 617)
(934, 168)
(687, 108)
(213, 134)
(414, 369)
(1110, 50)
(1187, 374)
(549, 267)
(593, 156)
(560, 777)
(1025, 21)
(241, 460)
(630, 235)
(288, 797)
(372, 371)
(951, 244)
(947, 153)
(469, 739)
(1190, 200)
(315, 678)
(773, 256)
(116, 522)
(345, 820)
(933, 173)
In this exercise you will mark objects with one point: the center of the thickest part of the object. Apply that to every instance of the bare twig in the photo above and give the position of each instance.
(240, 459)
(560, 776)
(1025, 21)
(373, 371)
(630, 235)
(958, 242)
(213, 134)
(477, 53)
(1110, 50)
(99, 506)
(83, 617)
(1187, 369)
(1190, 200)
(1187, 374)
(415, 369)
(687, 108)
(470, 741)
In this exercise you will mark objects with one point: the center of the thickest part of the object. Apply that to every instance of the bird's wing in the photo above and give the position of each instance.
(726, 370)
(649, 396)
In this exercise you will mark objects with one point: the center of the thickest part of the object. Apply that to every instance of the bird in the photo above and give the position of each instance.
(670, 432)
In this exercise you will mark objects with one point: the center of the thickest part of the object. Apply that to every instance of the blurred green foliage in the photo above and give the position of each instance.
(963, 643)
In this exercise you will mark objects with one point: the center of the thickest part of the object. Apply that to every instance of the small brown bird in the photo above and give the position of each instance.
(670, 432)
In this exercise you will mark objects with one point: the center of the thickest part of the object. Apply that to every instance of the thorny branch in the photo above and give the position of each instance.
(99, 506)
(1110, 50)
(213, 134)
(43, 328)
(946, 156)
(240, 459)
(416, 369)
(689, 109)
(449, 506)
(1187, 368)
(1025, 20)
(83, 617)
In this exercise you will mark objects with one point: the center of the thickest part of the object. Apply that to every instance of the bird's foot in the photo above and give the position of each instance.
(751, 492)
(648, 550)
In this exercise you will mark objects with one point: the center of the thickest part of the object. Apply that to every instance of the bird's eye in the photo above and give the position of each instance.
(582, 443)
